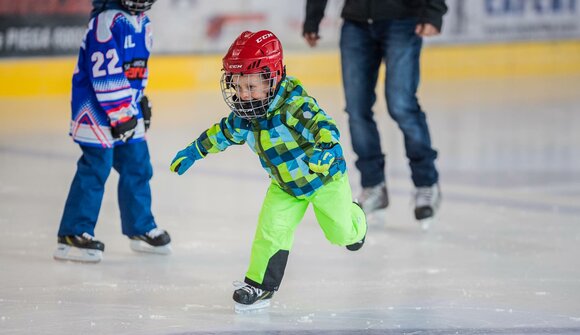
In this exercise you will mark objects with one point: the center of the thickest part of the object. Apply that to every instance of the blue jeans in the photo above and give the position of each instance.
(363, 46)
(83, 204)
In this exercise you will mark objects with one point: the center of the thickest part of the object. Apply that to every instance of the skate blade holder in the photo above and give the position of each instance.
(65, 252)
(253, 308)
(377, 217)
(426, 223)
(142, 246)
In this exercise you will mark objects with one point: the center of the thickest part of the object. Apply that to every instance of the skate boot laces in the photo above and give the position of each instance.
(250, 289)
(373, 198)
(426, 196)
(371, 192)
(155, 232)
(88, 236)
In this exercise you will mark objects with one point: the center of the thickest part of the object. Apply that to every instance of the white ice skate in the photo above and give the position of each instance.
(250, 299)
(82, 248)
(427, 202)
(155, 241)
(373, 198)
(255, 307)
(67, 253)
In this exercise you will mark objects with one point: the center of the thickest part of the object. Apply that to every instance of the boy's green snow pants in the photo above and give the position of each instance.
(342, 221)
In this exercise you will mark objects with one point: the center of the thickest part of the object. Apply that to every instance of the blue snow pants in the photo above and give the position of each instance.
(133, 163)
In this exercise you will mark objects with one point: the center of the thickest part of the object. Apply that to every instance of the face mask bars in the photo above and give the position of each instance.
(239, 94)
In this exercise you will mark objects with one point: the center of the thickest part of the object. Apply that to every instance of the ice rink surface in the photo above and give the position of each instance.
(502, 257)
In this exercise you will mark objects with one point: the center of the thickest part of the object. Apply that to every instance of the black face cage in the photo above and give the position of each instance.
(250, 108)
(138, 6)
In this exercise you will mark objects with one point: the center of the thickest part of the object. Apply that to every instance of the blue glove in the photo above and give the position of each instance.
(323, 156)
(185, 158)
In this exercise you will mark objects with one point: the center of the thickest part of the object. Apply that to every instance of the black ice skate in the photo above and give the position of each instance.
(356, 246)
(427, 201)
(81, 248)
(156, 241)
(249, 298)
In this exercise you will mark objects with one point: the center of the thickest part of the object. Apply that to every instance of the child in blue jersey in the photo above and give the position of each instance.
(110, 115)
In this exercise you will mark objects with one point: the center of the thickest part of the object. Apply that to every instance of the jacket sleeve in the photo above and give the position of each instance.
(324, 129)
(105, 61)
(432, 12)
(312, 122)
(229, 131)
(314, 14)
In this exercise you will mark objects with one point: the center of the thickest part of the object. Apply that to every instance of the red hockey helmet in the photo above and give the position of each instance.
(253, 52)
(256, 55)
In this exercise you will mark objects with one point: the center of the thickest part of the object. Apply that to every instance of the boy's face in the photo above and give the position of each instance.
(250, 87)
(248, 95)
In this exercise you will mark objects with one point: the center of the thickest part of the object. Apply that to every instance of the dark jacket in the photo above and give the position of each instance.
(426, 11)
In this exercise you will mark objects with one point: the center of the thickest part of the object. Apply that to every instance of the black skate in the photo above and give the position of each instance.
(80, 248)
(356, 246)
(249, 298)
(156, 241)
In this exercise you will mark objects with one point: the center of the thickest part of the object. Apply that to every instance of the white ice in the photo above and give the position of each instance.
(502, 256)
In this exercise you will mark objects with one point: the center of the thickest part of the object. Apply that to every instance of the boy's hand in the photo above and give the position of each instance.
(146, 111)
(124, 131)
(184, 159)
(323, 157)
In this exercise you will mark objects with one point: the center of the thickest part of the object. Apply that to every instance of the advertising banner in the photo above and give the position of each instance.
(47, 27)
(56, 27)
(485, 21)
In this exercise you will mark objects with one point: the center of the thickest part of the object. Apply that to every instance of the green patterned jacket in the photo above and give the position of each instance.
(283, 139)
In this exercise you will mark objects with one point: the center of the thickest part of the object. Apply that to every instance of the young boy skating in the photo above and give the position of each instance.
(297, 144)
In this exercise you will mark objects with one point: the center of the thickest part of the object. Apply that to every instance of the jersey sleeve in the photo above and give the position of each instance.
(105, 61)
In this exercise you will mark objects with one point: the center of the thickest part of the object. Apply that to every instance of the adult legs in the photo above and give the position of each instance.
(360, 58)
(402, 49)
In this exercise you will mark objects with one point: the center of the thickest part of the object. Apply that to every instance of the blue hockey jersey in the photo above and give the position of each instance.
(110, 77)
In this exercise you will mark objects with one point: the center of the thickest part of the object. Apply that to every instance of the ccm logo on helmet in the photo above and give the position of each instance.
(263, 37)
(235, 66)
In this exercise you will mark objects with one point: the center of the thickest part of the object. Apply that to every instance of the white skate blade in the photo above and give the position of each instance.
(426, 223)
(65, 252)
(257, 306)
(377, 218)
(141, 246)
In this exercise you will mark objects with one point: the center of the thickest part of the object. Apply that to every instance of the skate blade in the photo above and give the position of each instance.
(378, 217)
(426, 223)
(255, 307)
(65, 252)
(141, 246)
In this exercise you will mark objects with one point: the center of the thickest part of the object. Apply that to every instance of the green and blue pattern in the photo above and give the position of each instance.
(284, 139)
